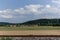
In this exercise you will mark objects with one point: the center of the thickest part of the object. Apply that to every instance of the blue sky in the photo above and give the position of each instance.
(5, 4)
(17, 11)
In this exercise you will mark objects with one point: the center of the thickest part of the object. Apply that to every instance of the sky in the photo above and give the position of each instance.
(18, 11)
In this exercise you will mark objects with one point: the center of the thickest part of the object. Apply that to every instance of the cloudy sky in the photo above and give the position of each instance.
(17, 11)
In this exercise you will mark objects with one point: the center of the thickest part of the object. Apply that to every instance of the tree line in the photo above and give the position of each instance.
(39, 22)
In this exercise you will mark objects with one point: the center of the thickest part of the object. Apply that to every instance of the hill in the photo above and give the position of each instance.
(43, 22)
(39, 22)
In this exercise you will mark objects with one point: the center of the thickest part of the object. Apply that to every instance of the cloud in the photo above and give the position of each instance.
(56, 1)
(52, 10)
(6, 13)
(28, 9)
(34, 10)
(48, 6)
(6, 16)
(20, 10)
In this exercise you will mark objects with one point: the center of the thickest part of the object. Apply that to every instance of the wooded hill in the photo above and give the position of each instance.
(39, 22)
(43, 22)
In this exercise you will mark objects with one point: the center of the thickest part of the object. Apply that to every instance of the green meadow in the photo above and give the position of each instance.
(31, 28)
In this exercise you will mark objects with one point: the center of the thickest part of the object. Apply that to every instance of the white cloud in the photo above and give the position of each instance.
(29, 9)
(48, 6)
(6, 13)
(1, 11)
(56, 1)
(20, 10)
(33, 8)
(52, 10)
(6, 16)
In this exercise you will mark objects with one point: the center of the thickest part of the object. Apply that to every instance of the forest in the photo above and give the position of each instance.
(38, 22)
(44, 22)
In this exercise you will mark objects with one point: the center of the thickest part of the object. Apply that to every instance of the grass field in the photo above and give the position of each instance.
(31, 28)
(41, 30)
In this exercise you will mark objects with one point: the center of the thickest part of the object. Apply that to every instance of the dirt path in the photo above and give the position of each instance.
(31, 32)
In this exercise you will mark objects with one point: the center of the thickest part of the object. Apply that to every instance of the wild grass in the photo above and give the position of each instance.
(31, 28)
